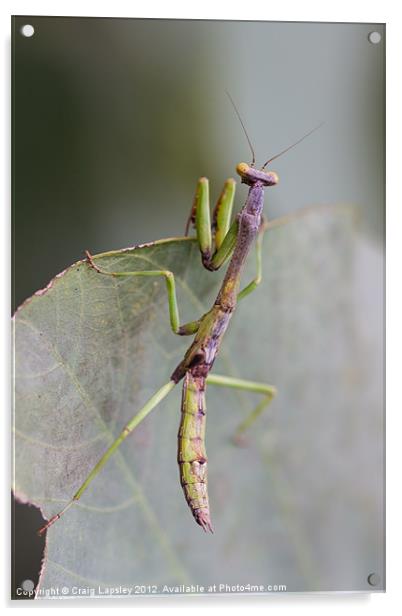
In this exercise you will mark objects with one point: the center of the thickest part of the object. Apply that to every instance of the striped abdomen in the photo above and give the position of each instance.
(192, 456)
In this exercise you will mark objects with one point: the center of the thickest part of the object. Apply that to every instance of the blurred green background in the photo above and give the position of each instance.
(115, 119)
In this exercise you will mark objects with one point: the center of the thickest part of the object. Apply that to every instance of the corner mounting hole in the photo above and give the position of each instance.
(28, 585)
(27, 30)
(374, 37)
(373, 579)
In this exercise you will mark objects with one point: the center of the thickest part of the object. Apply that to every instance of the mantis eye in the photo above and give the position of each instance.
(272, 178)
(242, 169)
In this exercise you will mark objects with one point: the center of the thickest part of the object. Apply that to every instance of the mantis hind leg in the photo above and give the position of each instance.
(268, 392)
(217, 240)
(127, 430)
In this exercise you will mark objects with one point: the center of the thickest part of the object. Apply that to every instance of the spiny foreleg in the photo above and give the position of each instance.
(217, 240)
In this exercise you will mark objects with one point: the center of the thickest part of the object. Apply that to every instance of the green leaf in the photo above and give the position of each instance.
(90, 350)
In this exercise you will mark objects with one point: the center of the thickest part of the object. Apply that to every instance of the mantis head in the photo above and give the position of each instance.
(249, 175)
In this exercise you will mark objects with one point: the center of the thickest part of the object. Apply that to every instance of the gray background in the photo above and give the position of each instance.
(115, 119)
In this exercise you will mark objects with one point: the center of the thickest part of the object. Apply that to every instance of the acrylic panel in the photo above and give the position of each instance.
(114, 121)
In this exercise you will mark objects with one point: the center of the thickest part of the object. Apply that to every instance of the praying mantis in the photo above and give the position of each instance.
(220, 242)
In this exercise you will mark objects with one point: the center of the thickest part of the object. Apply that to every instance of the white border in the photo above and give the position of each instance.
(285, 10)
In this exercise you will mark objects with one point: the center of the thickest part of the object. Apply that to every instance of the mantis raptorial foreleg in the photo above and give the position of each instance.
(221, 231)
(216, 241)
(268, 391)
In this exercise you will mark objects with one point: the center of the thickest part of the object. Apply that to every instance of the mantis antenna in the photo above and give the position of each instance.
(243, 127)
(251, 145)
(292, 146)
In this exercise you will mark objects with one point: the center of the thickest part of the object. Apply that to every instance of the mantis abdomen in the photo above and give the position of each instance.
(191, 455)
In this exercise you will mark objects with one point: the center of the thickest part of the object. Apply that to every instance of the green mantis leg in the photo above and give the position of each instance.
(182, 330)
(258, 277)
(268, 391)
(225, 235)
(223, 212)
(216, 241)
(128, 429)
